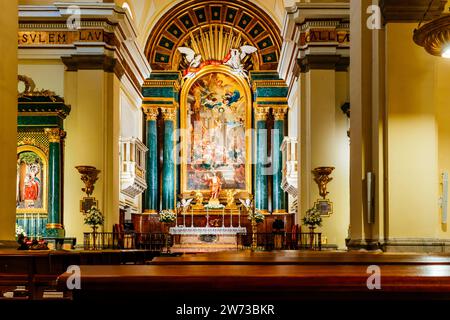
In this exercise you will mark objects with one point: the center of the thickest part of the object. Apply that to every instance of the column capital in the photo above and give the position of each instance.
(169, 114)
(261, 113)
(55, 134)
(280, 112)
(151, 113)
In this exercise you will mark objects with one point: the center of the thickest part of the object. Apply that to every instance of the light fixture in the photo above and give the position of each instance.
(434, 36)
(446, 52)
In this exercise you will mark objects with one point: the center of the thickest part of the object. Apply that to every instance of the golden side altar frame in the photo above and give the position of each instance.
(248, 126)
(43, 156)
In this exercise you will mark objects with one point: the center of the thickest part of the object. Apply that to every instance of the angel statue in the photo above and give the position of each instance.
(236, 56)
(193, 59)
(184, 204)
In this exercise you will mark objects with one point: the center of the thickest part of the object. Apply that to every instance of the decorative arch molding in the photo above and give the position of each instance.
(213, 23)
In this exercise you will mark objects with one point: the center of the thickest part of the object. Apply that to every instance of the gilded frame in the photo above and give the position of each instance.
(44, 158)
(183, 125)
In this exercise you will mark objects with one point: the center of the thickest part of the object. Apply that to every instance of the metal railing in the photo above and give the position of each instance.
(282, 241)
(158, 242)
(126, 241)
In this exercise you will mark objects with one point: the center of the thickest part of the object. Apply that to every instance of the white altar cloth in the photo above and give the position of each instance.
(209, 230)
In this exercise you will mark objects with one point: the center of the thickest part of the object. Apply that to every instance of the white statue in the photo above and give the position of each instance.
(235, 57)
(192, 58)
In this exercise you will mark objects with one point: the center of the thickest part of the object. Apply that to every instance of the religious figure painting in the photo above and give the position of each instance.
(30, 189)
(216, 123)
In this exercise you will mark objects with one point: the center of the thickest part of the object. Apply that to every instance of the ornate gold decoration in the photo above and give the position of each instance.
(30, 89)
(279, 113)
(231, 203)
(434, 36)
(322, 177)
(212, 32)
(213, 42)
(162, 83)
(89, 175)
(151, 113)
(261, 113)
(55, 134)
(54, 226)
(183, 119)
(169, 114)
(198, 200)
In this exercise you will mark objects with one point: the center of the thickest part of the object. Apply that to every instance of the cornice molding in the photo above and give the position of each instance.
(316, 36)
(410, 10)
(115, 39)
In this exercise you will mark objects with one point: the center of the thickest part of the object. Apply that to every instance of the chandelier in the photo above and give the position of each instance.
(434, 36)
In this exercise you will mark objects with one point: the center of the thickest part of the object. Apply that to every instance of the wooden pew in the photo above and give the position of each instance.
(259, 283)
(302, 258)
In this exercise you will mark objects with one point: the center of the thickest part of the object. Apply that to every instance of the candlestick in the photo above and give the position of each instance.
(192, 217)
(231, 218)
(32, 227)
(239, 217)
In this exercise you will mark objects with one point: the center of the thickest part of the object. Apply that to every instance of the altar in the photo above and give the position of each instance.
(206, 239)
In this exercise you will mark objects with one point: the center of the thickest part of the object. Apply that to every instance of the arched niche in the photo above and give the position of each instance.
(214, 26)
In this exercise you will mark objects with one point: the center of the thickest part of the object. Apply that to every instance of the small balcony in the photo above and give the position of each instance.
(132, 175)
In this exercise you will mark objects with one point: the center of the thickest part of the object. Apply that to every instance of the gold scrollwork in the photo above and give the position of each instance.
(151, 113)
(89, 175)
(55, 134)
(261, 113)
(169, 114)
(279, 112)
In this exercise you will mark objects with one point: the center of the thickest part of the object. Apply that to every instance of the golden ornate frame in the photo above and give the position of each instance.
(42, 155)
(183, 116)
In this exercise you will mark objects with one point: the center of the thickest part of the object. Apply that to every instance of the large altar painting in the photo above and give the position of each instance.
(31, 182)
(216, 115)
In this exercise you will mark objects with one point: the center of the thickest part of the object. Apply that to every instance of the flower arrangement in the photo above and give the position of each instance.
(93, 217)
(214, 206)
(257, 216)
(313, 218)
(20, 231)
(167, 216)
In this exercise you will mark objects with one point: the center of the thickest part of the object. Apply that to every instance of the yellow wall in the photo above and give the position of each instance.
(324, 142)
(418, 87)
(92, 139)
(8, 118)
(47, 74)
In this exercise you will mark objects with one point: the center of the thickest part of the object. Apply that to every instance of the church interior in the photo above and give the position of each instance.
(254, 151)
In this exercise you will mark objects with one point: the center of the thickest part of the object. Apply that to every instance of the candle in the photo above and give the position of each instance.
(192, 217)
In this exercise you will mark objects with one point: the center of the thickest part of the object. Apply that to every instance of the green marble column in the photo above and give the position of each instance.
(151, 204)
(278, 195)
(261, 186)
(168, 174)
(54, 227)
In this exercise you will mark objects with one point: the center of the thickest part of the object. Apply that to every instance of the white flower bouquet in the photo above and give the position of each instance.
(93, 217)
(167, 216)
(312, 218)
